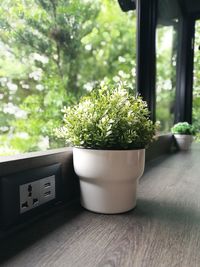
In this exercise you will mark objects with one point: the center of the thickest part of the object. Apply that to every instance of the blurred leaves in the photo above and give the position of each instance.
(53, 52)
(183, 128)
(196, 81)
(166, 76)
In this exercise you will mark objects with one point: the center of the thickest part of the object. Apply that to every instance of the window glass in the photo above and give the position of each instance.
(51, 53)
(196, 80)
(166, 55)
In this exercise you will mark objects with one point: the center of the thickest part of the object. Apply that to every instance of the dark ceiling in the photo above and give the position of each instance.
(191, 7)
(169, 8)
(176, 7)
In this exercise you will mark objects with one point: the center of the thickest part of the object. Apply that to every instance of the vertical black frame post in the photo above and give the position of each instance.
(185, 64)
(146, 63)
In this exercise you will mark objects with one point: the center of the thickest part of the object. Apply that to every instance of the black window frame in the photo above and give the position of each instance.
(146, 59)
(146, 63)
(185, 65)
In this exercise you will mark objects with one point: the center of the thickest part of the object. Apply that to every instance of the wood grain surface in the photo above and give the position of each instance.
(163, 230)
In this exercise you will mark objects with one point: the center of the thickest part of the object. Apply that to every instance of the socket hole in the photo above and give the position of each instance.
(47, 184)
(30, 194)
(25, 205)
(30, 188)
(35, 201)
(48, 193)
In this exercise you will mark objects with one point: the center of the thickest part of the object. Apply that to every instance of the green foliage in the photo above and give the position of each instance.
(52, 53)
(196, 82)
(183, 128)
(109, 118)
(165, 76)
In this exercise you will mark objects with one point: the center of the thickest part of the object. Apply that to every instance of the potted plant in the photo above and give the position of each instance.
(183, 133)
(109, 130)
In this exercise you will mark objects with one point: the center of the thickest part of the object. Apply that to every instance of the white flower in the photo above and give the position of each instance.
(12, 87)
(20, 114)
(122, 74)
(41, 58)
(9, 108)
(4, 128)
(88, 86)
(103, 43)
(88, 47)
(25, 86)
(133, 72)
(36, 75)
(39, 87)
(55, 57)
(121, 59)
(116, 78)
(3, 81)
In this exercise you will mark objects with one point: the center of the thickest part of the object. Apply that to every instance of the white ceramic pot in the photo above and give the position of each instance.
(108, 178)
(184, 141)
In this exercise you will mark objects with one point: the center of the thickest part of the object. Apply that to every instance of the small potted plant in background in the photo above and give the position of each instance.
(109, 130)
(183, 133)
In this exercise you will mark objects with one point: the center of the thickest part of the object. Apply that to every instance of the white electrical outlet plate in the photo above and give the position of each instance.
(36, 193)
(19, 205)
